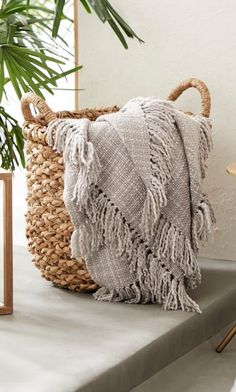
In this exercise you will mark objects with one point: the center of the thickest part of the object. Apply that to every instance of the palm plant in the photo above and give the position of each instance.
(29, 60)
(105, 12)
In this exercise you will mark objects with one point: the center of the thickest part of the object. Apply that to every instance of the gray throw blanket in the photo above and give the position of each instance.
(133, 189)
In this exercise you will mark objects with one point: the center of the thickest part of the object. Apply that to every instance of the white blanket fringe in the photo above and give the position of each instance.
(160, 145)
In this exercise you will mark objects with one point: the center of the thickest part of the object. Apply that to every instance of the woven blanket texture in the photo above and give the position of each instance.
(133, 189)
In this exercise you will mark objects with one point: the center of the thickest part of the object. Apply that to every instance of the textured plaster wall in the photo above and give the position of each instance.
(183, 38)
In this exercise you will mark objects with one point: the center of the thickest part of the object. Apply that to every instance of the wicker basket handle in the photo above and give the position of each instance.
(201, 87)
(48, 114)
(40, 104)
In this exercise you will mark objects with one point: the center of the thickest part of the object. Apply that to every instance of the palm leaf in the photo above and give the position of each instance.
(29, 61)
(58, 16)
(125, 27)
(23, 64)
(105, 12)
(11, 142)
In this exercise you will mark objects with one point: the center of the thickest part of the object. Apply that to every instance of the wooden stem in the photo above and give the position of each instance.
(226, 339)
(7, 240)
(76, 51)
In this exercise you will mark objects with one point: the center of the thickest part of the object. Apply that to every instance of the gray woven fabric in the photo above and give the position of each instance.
(133, 189)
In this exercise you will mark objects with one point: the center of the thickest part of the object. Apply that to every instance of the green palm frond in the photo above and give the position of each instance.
(29, 70)
(25, 58)
(105, 12)
(11, 142)
(29, 61)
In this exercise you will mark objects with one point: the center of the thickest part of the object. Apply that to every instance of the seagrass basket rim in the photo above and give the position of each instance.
(46, 114)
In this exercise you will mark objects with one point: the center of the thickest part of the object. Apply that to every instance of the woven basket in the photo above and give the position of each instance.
(49, 227)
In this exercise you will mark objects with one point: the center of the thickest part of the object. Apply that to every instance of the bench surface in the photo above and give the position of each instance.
(59, 341)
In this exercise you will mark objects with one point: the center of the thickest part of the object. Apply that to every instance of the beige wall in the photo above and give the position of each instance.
(183, 38)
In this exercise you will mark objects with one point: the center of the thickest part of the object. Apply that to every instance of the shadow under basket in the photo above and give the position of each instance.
(49, 228)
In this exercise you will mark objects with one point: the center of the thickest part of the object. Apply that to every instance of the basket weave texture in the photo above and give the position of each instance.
(49, 227)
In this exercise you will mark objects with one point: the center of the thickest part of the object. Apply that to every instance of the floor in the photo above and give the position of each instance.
(59, 341)
(201, 370)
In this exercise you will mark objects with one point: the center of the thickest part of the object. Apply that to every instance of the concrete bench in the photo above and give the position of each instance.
(59, 341)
